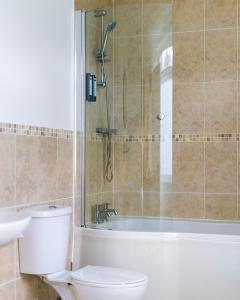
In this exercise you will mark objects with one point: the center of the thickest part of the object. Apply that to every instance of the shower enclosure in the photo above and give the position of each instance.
(157, 147)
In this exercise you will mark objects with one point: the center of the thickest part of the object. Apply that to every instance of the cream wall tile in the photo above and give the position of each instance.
(188, 15)
(81, 4)
(27, 288)
(221, 13)
(182, 205)
(188, 64)
(65, 160)
(128, 15)
(221, 55)
(151, 166)
(221, 107)
(128, 203)
(221, 167)
(221, 207)
(47, 176)
(7, 263)
(7, 292)
(45, 292)
(188, 108)
(94, 4)
(128, 166)
(188, 168)
(26, 169)
(157, 17)
(106, 185)
(7, 170)
(151, 204)
(128, 60)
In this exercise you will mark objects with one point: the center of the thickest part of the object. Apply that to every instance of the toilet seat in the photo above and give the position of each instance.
(98, 276)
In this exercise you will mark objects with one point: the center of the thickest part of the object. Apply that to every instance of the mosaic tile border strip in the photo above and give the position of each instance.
(94, 137)
(9, 128)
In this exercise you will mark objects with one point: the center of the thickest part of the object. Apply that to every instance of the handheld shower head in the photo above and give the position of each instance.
(111, 26)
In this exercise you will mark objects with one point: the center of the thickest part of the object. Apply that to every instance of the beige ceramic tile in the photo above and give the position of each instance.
(151, 109)
(182, 205)
(65, 159)
(27, 288)
(47, 176)
(187, 169)
(188, 15)
(128, 110)
(7, 170)
(221, 13)
(92, 201)
(7, 263)
(221, 108)
(26, 169)
(153, 47)
(95, 4)
(128, 17)
(45, 292)
(128, 203)
(128, 166)
(188, 64)
(221, 167)
(94, 170)
(81, 4)
(107, 186)
(157, 17)
(128, 61)
(7, 292)
(151, 166)
(221, 55)
(188, 109)
(151, 204)
(221, 207)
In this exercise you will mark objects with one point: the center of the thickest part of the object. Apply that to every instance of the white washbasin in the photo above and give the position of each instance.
(12, 225)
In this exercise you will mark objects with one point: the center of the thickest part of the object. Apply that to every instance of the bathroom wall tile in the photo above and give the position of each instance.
(94, 170)
(221, 13)
(47, 176)
(128, 61)
(92, 44)
(157, 17)
(7, 170)
(221, 107)
(182, 205)
(151, 109)
(128, 203)
(153, 47)
(7, 263)
(128, 166)
(188, 108)
(221, 55)
(91, 202)
(221, 207)
(27, 288)
(188, 15)
(81, 4)
(46, 292)
(128, 17)
(221, 167)
(95, 4)
(187, 168)
(128, 110)
(107, 186)
(188, 64)
(65, 161)
(7, 292)
(26, 169)
(151, 204)
(151, 166)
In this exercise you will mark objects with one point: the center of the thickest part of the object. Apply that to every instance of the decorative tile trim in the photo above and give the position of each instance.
(9, 128)
(229, 137)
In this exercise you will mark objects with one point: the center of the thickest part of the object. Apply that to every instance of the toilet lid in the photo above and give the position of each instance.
(108, 276)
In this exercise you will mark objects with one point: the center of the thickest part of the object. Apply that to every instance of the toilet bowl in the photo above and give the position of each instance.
(97, 282)
(44, 250)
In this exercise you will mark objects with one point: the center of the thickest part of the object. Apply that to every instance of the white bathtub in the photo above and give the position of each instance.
(184, 260)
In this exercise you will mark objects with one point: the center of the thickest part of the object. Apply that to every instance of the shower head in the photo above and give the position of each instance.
(111, 26)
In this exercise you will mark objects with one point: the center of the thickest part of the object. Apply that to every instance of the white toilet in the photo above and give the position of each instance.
(43, 251)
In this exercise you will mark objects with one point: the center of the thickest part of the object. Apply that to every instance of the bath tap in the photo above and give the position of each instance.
(103, 212)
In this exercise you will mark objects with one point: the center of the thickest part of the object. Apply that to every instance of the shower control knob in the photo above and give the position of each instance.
(160, 117)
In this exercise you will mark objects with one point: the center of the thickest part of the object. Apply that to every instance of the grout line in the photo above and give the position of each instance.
(237, 105)
(204, 112)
